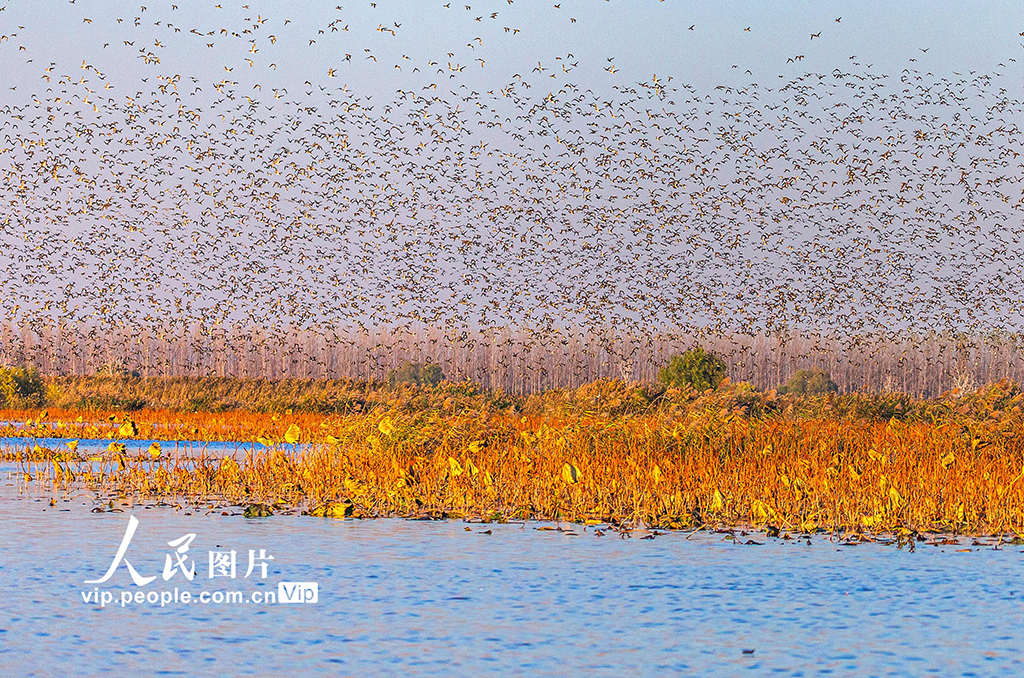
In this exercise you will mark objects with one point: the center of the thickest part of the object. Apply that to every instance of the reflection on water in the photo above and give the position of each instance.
(429, 598)
(87, 446)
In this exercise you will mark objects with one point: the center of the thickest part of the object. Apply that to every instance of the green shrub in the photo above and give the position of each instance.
(428, 374)
(21, 387)
(696, 368)
(810, 382)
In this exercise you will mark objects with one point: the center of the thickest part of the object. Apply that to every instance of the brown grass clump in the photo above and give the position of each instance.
(607, 451)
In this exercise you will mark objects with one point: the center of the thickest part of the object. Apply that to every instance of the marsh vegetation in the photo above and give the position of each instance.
(608, 451)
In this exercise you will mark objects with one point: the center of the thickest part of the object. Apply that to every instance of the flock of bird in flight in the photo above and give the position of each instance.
(849, 202)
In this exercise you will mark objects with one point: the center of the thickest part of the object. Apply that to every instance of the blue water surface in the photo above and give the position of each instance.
(400, 597)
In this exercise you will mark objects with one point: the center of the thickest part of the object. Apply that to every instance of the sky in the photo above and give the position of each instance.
(641, 37)
(847, 167)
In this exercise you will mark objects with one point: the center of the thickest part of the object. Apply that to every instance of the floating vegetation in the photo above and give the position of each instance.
(603, 453)
(258, 511)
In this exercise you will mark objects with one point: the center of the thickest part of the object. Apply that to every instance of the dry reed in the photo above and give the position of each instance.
(606, 452)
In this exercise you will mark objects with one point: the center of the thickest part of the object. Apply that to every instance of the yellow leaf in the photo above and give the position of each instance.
(656, 472)
(871, 521)
(331, 440)
(72, 445)
(717, 502)
(948, 460)
(333, 509)
(570, 474)
(471, 467)
(476, 446)
(386, 427)
(292, 435)
(128, 429)
(154, 449)
(454, 466)
(895, 500)
(760, 511)
(488, 480)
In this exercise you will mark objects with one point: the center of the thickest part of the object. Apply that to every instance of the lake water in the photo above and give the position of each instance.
(430, 598)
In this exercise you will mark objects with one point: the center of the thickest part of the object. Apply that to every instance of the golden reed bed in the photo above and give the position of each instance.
(608, 452)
